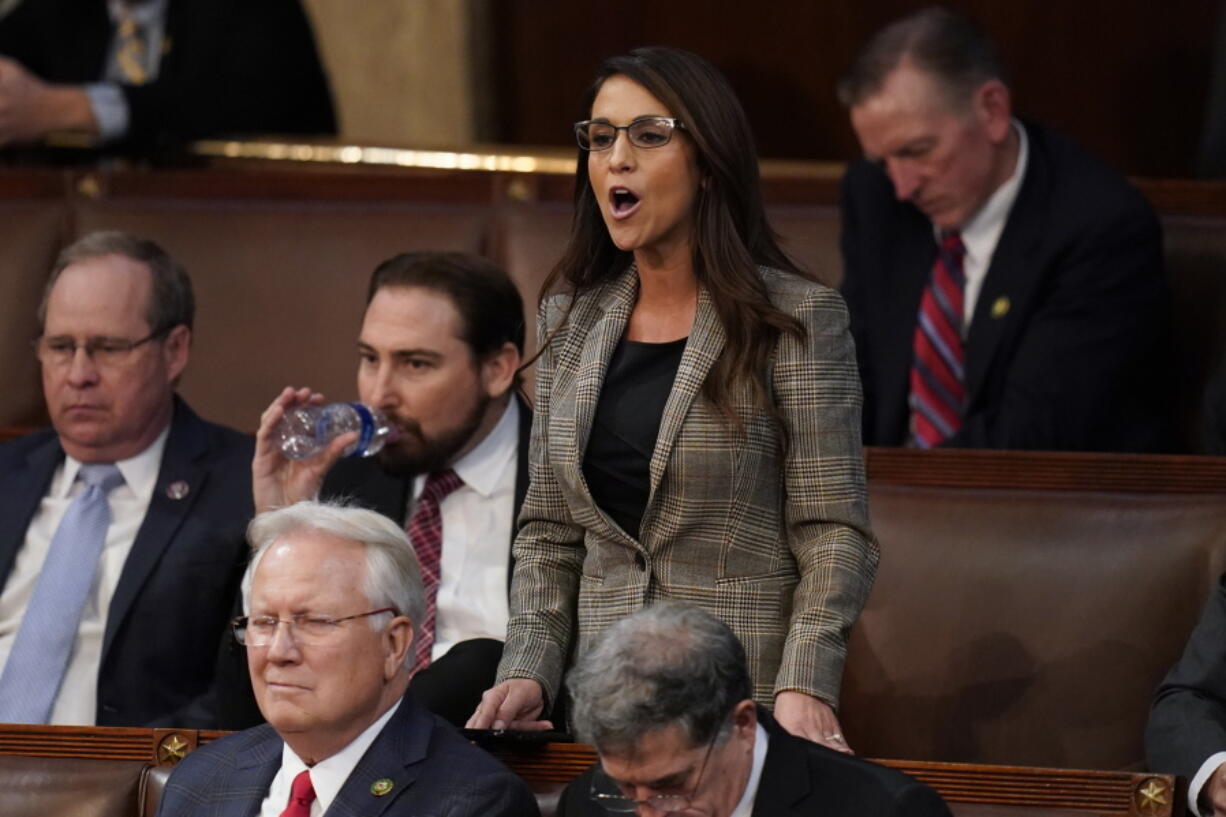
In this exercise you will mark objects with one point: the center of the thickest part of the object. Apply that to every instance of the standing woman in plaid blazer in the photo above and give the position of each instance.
(697, 429)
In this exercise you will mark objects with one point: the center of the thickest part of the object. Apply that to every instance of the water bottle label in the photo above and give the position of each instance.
(368, 430)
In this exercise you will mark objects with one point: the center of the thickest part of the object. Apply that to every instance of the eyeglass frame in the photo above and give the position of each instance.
(93, 345)
(674, 124)
(607, 801)
(242, 622)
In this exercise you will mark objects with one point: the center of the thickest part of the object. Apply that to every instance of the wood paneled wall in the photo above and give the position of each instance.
(1128, 78)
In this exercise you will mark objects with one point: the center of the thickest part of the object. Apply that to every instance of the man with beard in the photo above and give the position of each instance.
(439, 354)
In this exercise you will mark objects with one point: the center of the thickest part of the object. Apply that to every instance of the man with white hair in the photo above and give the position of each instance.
(332, 598)
(664, 695)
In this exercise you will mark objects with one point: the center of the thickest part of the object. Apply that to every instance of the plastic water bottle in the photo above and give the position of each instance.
(307, 430)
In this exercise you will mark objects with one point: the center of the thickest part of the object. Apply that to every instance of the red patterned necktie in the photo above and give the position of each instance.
(301, 795)
(426, 533)
(938, 383)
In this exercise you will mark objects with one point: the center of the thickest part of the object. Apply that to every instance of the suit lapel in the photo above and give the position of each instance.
(395, 756)
(703, 348)
(1010, 278)
(598, 324)
(256, 763)
(184, 446)
(21, 491)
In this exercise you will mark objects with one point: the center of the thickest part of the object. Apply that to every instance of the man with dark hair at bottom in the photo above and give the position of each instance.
(439, 353)
(333, 598)
(120, 526)
(664, 696)
(1006, 288)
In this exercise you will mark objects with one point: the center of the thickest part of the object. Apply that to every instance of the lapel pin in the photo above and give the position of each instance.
(381, 787)
(178, 489)
(1000, 307)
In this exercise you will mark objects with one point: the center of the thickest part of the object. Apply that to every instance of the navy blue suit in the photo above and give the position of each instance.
(1069, 343)
(434, 772)
(801, 778)
(174, 596)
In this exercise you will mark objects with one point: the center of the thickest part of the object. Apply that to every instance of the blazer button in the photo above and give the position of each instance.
(640, 561)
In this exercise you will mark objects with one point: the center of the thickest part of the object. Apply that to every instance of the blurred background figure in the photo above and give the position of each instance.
(148, 74)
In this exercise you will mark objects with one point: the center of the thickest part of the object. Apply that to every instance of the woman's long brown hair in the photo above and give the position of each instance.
(731, 234)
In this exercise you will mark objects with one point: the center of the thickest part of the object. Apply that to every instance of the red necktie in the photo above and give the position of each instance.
(938, 384)
(426, 533)
(301, 795)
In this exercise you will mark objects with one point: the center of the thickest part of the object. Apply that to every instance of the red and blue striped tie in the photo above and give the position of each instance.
(938, 383)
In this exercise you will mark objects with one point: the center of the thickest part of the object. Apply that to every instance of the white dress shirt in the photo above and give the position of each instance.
(477, 523)
(1199, 780)
(328, 776)
(745, 807)
(78, 696)
(981, 233)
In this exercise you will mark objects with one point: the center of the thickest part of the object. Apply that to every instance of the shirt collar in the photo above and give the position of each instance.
(328, 776)
(745, 807)
(980, 233)
(482, 468)
(140, 473)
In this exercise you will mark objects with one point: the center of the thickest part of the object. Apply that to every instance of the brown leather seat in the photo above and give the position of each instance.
(1196, 264)
(36, 787)
(153, 785)
(31, 233)
(1024, 627)
(810, 237)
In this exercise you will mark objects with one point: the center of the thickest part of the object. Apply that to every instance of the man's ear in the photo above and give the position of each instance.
(993, 107)
(498, 370)
(397, 641)
(745, 715)
(176, 349)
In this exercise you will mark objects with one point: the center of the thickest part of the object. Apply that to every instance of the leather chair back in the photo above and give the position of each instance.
(1025, 627)
(34, 787)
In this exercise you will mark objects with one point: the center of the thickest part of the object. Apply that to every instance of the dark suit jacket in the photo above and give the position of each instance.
(1070, 336)
(1187, 723)
(433, 770)
(229, 66)
(803, 779)
(173, 599)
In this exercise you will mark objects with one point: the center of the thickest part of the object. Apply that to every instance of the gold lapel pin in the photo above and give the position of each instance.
(1000, 307)
(381, 787)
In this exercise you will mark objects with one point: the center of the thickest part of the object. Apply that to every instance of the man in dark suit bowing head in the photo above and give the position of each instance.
(438, 353)
(1006, 288)
(664, 696)
(333, 601)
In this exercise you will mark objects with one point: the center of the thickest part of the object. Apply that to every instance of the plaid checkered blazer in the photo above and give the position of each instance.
(777, 546)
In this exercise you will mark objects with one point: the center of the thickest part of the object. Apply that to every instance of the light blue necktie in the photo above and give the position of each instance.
(48, 630)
